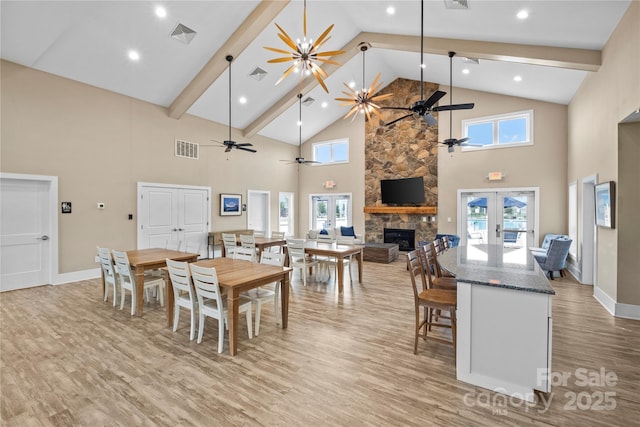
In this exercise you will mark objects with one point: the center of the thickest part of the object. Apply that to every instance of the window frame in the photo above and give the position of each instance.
(495, 121)
(330, 143)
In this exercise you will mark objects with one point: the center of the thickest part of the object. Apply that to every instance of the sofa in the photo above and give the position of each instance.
(336, 234)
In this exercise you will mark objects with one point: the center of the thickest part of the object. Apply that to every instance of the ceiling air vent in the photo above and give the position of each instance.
(456, 4)
(308, 101)
(186, 149)
(258, 74)
(183, 34)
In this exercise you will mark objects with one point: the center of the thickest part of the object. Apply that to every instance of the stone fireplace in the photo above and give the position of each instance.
(406, 149)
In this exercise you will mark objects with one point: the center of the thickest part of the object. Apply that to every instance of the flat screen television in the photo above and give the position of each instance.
(403, 191)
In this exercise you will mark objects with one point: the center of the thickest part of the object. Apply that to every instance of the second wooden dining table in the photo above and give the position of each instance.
(338, 251)
(236, 276)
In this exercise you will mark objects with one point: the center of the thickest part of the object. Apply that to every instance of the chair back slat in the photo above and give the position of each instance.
(230, 243)
(416, 272)
(107, 265)
(272, 258)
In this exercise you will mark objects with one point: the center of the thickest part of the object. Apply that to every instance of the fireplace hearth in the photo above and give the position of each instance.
(405, 238)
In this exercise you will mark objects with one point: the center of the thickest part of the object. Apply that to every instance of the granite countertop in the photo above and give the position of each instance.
(479, 264)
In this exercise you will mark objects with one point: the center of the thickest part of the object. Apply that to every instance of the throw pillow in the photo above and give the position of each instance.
(323, 231)
(347, 231)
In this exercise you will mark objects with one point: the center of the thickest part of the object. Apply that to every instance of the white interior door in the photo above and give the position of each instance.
(503, 221)
(258, 211)
(25, 233)
(173, 213)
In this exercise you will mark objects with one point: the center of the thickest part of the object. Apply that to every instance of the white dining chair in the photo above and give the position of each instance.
(128, 281)
(299, 259)
(211, 303)
(246, 254)
(276, 235)
(267, 293)
(183, 294)
(109, 273)
(230, 244)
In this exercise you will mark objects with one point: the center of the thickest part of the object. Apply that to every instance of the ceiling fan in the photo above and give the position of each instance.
(229, 144)
(300, 160)
(424, 107)
(451, 142)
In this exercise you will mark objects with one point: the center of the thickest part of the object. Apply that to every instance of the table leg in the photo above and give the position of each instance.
(284, 299)
(103, 282)
(340, 273)
(359, 256)
(168, 298)
(232, 310)
(139, 290)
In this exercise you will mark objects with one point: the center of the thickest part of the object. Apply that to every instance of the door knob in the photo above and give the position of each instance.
(45, 237)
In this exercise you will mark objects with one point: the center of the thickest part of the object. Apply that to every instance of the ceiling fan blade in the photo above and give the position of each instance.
(463, 141)
(429, 119)
(435, 97)
(244, 144)
(396, 108)
(246, 149)
(228, 148)
(398, 119)
(454, 107)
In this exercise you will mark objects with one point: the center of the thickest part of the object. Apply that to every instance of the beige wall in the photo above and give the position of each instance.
(541, 165)
(604, 99)
(349, 177)
(628, 191)
(100, 144)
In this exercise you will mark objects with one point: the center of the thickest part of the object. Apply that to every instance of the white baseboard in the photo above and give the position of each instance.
(77, 276)
(626, 311)
(605, 300)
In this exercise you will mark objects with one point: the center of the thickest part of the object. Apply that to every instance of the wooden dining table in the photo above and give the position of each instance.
(150, 259)
(338, 251)
(237, 276)
(262, 243)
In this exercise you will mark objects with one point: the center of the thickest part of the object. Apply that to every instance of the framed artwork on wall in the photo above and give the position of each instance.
(230, 204)
(605, 204)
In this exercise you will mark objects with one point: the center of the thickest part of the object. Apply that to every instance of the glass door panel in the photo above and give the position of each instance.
(329, 211)
(498, 221)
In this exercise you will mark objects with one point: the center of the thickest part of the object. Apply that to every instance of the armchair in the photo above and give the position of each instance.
(555, 257)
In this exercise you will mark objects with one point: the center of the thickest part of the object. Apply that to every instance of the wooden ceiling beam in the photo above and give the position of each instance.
(251, 28)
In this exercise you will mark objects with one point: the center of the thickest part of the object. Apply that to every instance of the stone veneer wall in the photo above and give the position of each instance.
(408, 148)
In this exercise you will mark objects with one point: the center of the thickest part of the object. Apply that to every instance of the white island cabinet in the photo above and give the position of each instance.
(503, 321)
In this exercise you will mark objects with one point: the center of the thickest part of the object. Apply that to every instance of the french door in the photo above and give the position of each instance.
(500, 221)
(330, 210)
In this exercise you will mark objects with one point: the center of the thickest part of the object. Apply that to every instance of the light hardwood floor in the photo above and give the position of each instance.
(69, 359)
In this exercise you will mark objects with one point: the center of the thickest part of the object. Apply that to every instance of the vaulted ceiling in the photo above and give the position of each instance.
(552, 51)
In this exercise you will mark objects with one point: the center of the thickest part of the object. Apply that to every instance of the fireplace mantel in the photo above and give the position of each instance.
(428, 210)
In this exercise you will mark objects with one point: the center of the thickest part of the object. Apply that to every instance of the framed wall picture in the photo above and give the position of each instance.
(230, 204)
(605, 204)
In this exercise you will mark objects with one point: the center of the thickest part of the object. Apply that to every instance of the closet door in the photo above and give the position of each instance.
(173, 213)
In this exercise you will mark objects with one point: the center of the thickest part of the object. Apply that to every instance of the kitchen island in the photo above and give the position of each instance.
(504, 323)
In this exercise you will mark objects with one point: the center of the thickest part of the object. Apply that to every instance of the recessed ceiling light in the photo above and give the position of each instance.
(523, 14)
(243, 100)
(391, 10)
(299, 123)
(517, 78)
(133, 55)
(465, 71)
(161, 12)
(352, 84)
(423, 65)
(325, 104)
